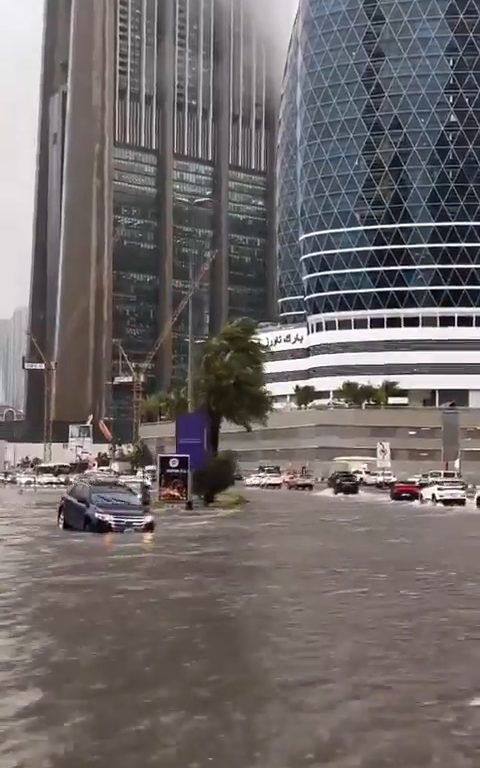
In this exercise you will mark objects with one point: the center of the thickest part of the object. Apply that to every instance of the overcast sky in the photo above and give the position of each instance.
(20, 56)
(20, 43)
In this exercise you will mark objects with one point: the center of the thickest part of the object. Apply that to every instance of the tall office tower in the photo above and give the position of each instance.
(379, 204)
(12, 350)
(157, 141)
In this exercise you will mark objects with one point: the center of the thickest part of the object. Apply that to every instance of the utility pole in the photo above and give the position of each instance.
(49, 369)
(191, 339)
(192, 204)
(139, 372)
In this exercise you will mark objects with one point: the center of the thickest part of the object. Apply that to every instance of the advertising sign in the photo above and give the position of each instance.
(173, 477)
(384, 455)
(80, 438)
(191, 437)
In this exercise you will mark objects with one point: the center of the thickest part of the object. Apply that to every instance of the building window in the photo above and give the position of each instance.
(394, 322)
(360, 323)
(411, 321)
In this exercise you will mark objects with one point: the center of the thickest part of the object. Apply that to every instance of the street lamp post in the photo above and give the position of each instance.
(199, 201)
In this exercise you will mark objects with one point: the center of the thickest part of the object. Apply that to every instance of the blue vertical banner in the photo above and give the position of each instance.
(191, 437)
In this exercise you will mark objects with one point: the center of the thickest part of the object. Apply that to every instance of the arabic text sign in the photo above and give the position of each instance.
(173, 477)
(288, 338)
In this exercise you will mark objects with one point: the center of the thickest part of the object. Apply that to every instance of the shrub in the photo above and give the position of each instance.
(216, 476)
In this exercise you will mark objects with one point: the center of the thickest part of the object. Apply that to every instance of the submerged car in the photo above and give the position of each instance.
(446, 493)
(405, 491)
(343, 482)
(103, 507)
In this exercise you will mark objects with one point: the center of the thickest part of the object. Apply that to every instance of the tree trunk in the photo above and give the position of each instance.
(214, 424)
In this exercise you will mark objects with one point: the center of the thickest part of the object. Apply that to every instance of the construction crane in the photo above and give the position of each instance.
(139, 372)
(49, 367)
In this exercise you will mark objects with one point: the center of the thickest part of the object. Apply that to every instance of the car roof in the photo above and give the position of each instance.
(102, 483)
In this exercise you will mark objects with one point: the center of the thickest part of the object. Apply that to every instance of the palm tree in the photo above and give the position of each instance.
(386, 390)
(152, 407)
(369, 394)
(303, 396)
(351, 392)
(164, 405)
(231, 380)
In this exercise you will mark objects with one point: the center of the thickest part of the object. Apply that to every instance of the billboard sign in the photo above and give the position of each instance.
(384, 455)
(173, 478)
(80, 438)
(191, 437)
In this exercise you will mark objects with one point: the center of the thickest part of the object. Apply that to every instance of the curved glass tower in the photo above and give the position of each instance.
(379, 205)
(290, 289)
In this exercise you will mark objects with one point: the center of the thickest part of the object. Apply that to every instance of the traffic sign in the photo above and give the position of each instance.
(384, 455)
(30, 366)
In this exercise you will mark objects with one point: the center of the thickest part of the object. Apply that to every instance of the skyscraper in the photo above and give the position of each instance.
(156, 149)
(12, 349)
(378, 170)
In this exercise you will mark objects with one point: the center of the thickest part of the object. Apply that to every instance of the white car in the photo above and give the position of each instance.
(382, 477)
(26, 480)
(447, 493)
(274, 482)
(47, 480)
(254, 481)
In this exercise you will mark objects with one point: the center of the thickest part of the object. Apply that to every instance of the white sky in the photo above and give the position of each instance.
(20, 67)
(20, 44)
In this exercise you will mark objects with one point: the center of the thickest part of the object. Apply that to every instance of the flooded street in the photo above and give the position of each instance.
(302, 631)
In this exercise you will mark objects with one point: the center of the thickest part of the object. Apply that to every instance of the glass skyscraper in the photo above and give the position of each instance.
(380, 157)
(378, 194)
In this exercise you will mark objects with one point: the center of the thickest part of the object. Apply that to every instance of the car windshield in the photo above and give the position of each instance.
(114, 496)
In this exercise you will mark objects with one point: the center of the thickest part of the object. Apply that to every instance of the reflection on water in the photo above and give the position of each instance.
(278, 638)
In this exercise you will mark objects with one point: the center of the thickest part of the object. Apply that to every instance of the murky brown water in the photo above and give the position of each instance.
(307, 631)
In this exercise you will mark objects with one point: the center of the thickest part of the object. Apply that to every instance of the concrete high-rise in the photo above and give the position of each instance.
(148, 106)
(12, 349)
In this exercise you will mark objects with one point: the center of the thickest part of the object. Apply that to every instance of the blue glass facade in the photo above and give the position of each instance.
(291, 307)
(385, 113)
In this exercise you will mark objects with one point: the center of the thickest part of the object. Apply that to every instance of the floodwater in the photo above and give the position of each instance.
(303, 631)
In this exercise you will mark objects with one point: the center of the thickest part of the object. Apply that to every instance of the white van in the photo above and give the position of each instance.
(440, 475)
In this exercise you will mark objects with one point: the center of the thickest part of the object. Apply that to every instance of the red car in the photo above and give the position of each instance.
(405, 492)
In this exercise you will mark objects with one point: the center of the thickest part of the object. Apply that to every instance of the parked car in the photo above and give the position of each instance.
(447, 493)
(343, 482)
(380, 478)
(254, 481)
(404, 491)
(299, 482)
(271, 481)
(103, 507)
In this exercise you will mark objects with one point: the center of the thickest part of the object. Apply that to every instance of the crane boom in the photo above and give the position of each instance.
(139, 373)
(174, 317)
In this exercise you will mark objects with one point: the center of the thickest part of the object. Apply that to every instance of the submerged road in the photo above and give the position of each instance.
(302, 631)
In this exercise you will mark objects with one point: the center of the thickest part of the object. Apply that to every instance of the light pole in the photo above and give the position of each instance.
(197, 202)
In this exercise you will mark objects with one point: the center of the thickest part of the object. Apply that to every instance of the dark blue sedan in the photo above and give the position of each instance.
(103, 508)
